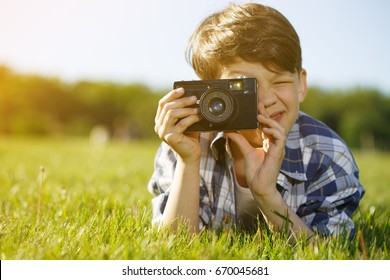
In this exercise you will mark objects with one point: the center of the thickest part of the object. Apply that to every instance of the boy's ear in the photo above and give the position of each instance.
(302, 85)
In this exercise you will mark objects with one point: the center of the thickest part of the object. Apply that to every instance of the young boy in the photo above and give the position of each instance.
(293, 171)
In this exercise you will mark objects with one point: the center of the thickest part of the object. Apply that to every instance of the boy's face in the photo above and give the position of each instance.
(280, 93)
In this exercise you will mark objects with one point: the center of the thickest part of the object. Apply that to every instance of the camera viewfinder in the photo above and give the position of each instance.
(236, 85)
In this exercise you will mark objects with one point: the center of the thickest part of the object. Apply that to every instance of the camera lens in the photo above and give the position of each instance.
(217, 106)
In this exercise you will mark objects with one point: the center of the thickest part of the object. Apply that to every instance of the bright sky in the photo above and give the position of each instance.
(344, 42)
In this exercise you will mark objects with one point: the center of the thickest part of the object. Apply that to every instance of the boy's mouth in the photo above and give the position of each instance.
(277, 116)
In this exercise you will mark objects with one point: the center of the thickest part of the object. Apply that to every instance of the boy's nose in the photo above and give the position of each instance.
(266, 96)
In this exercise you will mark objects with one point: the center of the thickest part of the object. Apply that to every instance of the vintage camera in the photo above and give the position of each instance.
(226, 104)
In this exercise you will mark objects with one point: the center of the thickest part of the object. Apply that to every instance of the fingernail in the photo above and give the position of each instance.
(180, 90)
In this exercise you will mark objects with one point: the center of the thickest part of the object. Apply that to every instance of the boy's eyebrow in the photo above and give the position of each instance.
(241, 73)
(272, 75)
(283, 75)
(280, 74)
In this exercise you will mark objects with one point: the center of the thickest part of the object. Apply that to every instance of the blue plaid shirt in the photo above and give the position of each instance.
(319, 179)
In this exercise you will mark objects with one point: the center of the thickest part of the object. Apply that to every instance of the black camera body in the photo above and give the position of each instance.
(225, 105)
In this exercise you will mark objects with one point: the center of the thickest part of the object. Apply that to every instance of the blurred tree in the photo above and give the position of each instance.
(360, 116)
(30, 104)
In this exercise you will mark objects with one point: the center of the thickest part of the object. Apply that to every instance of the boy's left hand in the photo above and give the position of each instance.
(262, 165)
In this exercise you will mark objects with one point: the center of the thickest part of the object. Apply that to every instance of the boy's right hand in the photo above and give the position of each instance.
(173, 117)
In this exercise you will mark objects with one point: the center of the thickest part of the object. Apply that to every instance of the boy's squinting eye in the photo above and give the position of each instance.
(282, 83)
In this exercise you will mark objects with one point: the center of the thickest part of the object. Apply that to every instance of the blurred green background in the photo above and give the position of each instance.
(46, 106)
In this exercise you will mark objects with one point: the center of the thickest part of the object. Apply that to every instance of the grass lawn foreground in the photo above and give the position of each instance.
(67, 199)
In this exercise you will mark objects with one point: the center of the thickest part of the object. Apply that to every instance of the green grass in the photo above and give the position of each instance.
(64, 199)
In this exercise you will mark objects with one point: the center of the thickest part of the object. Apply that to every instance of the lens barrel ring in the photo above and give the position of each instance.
(217, 95)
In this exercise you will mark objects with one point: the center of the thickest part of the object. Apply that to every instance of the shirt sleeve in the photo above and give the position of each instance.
(333, 194)
(160, 186)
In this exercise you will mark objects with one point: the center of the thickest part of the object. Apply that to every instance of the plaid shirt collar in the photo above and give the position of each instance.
(292, 165)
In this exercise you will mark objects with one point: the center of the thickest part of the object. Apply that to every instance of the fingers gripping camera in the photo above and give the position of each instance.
(225, 105)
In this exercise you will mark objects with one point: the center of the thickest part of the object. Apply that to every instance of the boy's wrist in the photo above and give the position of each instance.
(270, 200)
(190, 161)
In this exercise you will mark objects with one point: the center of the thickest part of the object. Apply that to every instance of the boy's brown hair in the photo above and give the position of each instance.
(252, 32)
